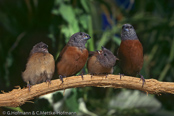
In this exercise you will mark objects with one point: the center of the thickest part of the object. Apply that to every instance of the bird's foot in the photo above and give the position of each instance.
(28, 86)
(82, 75)
(61, 78)
(142, 78)
(82, 72)
(91, 75)
(48, 81)
(106, 75)
(121, 75)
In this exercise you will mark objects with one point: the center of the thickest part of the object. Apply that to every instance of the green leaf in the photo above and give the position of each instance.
(84, 21)
(84, 4)
(90, 31)
(66, 32)
(104, 39)
(55, 11)
(67, 13)
(74, 27)
(164, 72)
(116, 40)
(57, 2)
(72, 102)
(69, 30)
(15, 109)
(171, 56)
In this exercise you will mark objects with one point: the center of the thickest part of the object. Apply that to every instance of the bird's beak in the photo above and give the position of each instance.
(87, 37)
(126, 30)
(98, 51)
(103, 48)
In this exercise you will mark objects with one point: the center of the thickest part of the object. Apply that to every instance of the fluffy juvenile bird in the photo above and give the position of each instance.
(130, 52)
(73, 56)
(101, 62)
(40, 66)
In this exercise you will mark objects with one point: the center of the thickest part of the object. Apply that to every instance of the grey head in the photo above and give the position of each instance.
(39, 48)
(79, 40)
(128, 32)
(106, 58)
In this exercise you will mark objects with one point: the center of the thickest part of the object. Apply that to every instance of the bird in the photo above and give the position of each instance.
(40, 66)
(74, 55)
(101, 62)
(130, 52)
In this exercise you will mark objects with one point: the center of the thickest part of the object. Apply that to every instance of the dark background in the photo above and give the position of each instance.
(23, 23)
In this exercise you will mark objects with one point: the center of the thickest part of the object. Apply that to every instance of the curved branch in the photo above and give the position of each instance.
(19, 96)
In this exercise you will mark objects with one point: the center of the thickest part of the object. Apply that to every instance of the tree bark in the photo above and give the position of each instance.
(18, 97)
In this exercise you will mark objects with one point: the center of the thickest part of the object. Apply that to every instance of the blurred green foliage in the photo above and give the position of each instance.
(24, 23)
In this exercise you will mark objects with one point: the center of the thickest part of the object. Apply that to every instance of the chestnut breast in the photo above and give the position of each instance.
(131, 56)
(72, 60)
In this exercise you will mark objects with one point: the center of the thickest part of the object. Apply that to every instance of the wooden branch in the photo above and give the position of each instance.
(19, 96)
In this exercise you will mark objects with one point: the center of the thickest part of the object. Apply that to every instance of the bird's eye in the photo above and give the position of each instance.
(80, 33)
(131, 27)
(45, 46)
(104, 54)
